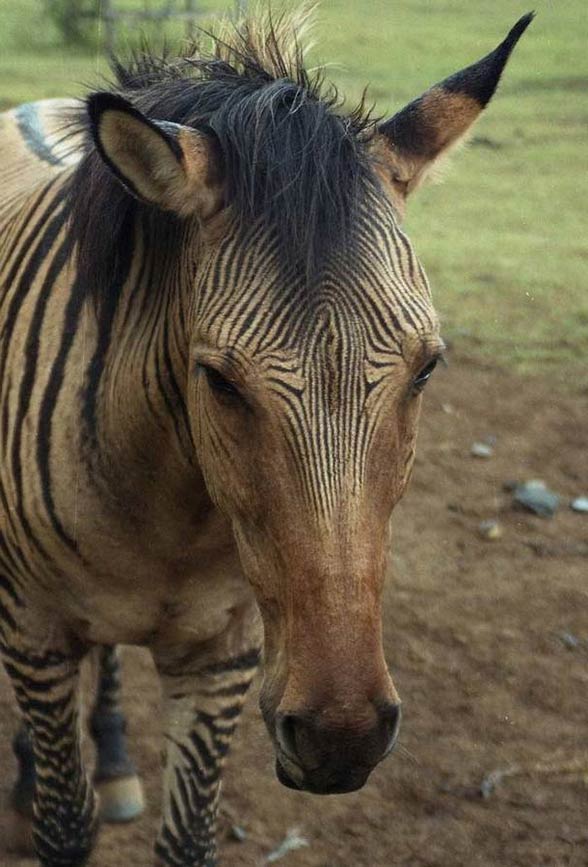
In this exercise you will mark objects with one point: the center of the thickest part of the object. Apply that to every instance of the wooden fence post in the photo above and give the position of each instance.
(109, 34)
(110, 16)
(190, 8)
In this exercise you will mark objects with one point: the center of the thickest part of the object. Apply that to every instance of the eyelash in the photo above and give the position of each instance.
(421, 380)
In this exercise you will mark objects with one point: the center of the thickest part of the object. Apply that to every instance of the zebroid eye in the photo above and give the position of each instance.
(219, 383)
(424, 376)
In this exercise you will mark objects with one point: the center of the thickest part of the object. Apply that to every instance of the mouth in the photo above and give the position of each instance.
(285, 778)
(322, 784)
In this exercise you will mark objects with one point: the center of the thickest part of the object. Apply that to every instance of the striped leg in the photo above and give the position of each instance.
(23, 793)
(116, 780)
(64, 819)
(203, 708)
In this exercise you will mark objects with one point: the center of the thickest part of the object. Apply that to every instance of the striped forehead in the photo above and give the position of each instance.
(372, 292)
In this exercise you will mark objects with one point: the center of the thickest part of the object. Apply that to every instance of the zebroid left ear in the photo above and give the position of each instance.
(410, 143)
(173, 167)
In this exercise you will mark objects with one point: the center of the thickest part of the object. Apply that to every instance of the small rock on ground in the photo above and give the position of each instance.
(490, 530)
(293, 841)
(481, 450)
(536, 497)
(569, 640)
(580, 504)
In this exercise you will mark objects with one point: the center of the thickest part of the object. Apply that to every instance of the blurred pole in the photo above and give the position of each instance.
(190, 8)
(108, 17)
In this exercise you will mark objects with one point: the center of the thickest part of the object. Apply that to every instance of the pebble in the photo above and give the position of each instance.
(293, 841)
(481, 450)
(580, 504)
(569, 640)
(490, 530)
(536, 497)
(238, 833)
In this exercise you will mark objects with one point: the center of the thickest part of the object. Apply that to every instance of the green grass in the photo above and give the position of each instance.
(504, 237)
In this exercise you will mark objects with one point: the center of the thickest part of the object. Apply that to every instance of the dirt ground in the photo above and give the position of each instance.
(488, 645)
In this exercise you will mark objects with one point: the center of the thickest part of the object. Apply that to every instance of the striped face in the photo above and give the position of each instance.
(304, 400)
(305, 405)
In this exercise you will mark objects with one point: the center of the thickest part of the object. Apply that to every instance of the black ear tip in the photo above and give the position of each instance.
(481, 79)
(501, 54)
(100, 101)
(518, 30)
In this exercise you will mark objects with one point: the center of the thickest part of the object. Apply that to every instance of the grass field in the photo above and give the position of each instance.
(504, 239)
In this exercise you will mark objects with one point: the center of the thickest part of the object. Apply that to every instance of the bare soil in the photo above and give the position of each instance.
(488, 645)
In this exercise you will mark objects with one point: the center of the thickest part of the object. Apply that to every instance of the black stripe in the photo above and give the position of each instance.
(247, 660)
(6, 617)
(49, 402)
(107, 313)
(45, 242)
(28, 380)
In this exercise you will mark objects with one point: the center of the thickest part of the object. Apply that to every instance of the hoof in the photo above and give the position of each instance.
(18, 834)
(121, 799)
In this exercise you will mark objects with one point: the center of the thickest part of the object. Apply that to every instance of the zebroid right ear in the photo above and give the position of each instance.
(173, 167)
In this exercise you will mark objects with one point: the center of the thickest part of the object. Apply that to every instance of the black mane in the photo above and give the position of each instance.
(291, 158)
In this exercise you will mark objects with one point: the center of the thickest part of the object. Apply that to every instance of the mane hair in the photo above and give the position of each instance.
(292, 158)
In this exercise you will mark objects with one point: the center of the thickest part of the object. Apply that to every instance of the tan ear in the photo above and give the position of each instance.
(411, 142)
(173, 167)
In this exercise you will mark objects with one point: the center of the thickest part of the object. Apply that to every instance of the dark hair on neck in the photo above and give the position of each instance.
(292, 158)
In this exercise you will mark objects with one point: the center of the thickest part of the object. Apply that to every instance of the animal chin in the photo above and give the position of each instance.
(285, 778)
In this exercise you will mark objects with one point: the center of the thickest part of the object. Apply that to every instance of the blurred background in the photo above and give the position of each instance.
(485, 626)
